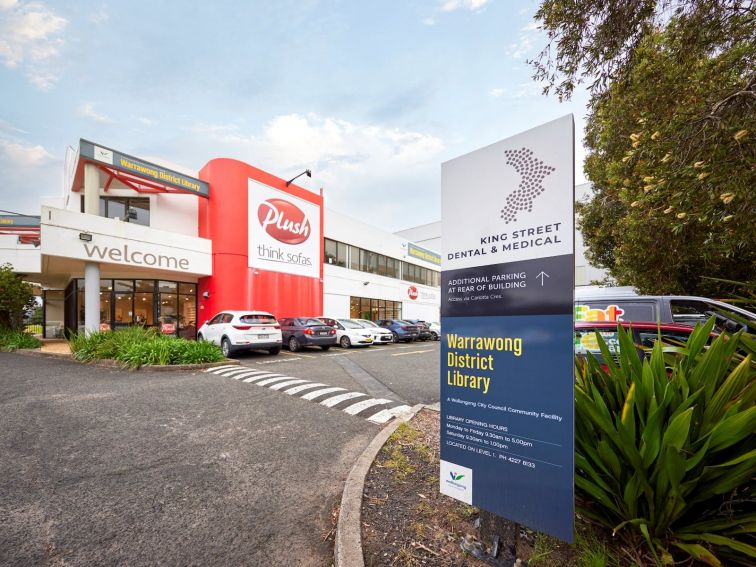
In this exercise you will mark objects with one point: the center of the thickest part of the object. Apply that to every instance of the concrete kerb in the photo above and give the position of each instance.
(347, 550)
(113, 364)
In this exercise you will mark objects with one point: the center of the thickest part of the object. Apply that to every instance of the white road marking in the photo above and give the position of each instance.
(298, 354)
(330, 402)
(384, 415)
(217, 369)
(411, 352)
(297, 389)
(321, 392)
(274, 361)
(282, 385)
(233, 373)
(260, 377)
(271, 380)
(354, 409)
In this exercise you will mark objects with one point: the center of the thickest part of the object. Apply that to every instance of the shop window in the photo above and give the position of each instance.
(144, 308)
(144, 285)
(167, 287)
(123, 309)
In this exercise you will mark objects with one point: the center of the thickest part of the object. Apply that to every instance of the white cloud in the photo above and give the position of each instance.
(496, 93)
(24, 155)
(354, 162)
(430, 21)
(87, 111)
(101, 16)
(29, 36)
(472, 5)
(145, 121)
(526, 42)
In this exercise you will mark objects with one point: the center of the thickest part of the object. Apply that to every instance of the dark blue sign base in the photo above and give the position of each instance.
(507, 416)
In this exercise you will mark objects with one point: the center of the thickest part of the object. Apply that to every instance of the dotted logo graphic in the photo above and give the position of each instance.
(532, 173)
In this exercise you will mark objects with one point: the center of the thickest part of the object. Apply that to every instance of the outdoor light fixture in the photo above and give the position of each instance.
(365, 283)
(85, 236)
(306, 172)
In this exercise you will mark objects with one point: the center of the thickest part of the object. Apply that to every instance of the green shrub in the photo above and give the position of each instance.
(137, 346)
(12, 340)
(665, 450)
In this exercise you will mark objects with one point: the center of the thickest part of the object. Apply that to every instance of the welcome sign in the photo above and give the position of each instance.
(507, 281)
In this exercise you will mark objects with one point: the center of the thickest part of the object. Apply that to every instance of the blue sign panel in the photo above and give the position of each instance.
(507, 322)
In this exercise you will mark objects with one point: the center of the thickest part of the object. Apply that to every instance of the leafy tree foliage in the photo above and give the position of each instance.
(670, 136)
(16, 297)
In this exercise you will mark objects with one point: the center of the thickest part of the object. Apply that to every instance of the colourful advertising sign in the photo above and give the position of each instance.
(284, 232)
(140, 168)
(507, 283)
(423, 254)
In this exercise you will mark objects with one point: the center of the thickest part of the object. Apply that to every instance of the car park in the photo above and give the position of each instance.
(300, 332)
(624, 304)
(400, 330)
(423, 332)
(349, 333)
(643, 334)
(235, 331)
(380, 335)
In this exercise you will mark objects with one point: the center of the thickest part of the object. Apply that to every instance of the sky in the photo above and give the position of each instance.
(372, 96)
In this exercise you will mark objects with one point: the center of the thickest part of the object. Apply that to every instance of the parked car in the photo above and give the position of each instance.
(300, 332)
(236, 331)
(400, 330)
(423, 332)
(349, 333)
(435, 329)
(644, 335)
(380, 335)
(623, 304)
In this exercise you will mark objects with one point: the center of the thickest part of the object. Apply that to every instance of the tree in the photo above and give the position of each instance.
(16, 298)
(670, 135)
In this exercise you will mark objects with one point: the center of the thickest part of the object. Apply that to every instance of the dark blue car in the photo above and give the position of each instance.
(401, 330)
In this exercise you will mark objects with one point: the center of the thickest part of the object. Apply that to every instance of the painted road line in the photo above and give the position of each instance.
(297, 389)
(274, 361)
(282, 385)
(234, 373)
(256, 375)
(337, 354)
(411, 352)
(385, 415)
(298, 354)
(354, 409)
(330, 402)
(261, 377)
(224, 367)
(225, 371)
(271, 380)
(321, 392)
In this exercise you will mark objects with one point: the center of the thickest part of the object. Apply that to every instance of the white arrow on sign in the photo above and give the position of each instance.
(542, 275)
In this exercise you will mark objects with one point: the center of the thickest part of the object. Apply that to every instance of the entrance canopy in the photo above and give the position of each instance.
(123, 171)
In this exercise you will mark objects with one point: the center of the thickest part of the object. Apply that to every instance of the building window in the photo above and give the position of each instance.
(374, 309)
(128, 209)
(335, 253)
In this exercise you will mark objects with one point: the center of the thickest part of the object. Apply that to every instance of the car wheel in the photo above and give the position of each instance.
(325, 347)
(345, 342)
(274, 350)
(394, 337)
(226, 347)
(294, 345)
(434, 336)
(200, 337)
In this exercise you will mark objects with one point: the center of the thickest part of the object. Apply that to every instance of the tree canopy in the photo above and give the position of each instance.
(670, 136)
(16, 297)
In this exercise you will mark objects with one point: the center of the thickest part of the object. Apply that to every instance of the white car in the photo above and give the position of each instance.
(380, 335)
(435, 330)
(235, 331)
(349, 333)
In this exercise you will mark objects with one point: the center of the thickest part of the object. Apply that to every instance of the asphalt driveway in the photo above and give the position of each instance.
(107, 467)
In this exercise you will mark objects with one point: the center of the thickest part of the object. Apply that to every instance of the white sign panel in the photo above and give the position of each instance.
(284, 232)
(509, 199)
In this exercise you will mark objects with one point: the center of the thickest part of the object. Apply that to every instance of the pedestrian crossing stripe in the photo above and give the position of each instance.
(375, 410)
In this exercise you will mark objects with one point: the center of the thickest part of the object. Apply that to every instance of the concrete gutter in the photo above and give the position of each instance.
(108, 363)
(347, 550)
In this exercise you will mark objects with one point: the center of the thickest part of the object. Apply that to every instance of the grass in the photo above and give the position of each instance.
(12, 340)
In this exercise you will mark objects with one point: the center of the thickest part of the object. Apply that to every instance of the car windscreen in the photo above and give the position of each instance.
(312, 322)
(365, 323)
(258, 319)
(350, 324)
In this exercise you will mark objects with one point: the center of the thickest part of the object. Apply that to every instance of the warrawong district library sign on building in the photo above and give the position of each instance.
(507, 283)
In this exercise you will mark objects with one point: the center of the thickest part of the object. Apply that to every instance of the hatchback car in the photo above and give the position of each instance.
(435, 329)
(400, 330)
(380, 335)
(300, 332)
(235, 331)
(423, 331)
(349, 333)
